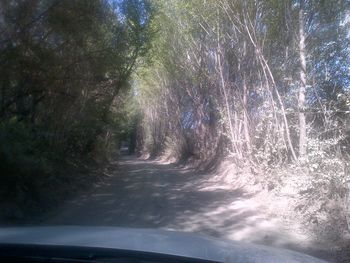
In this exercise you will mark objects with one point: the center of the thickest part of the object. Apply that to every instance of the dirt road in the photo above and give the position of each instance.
(149, 194)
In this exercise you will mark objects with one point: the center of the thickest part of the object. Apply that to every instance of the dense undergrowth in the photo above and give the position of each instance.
(262, 84)
(261, 87)
(35, 178)
(64, 89)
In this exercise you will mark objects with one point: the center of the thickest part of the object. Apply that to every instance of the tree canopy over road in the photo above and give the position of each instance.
(261, 87)
(262, 84)
(64, 76)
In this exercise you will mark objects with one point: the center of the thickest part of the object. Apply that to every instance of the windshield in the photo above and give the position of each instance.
(229, 118)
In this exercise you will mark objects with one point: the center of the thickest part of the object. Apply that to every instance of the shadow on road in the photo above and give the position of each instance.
(148, 194)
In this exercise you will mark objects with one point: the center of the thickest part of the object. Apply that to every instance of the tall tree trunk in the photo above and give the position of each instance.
(245, 115)
(227, 107)
(269, 77)
(302, 89)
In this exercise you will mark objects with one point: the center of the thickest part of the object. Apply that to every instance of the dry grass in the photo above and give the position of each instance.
(316, 210)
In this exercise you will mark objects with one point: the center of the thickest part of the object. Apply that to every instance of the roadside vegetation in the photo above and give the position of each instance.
(64, 72)
(256, 90)
(259, 89)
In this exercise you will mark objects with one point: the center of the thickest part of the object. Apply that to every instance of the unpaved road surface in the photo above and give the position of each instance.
(148, 194)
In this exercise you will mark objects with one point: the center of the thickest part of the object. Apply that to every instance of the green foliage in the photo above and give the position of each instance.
(225, 78)
(21, 152)
(64, 68)
(63, 64)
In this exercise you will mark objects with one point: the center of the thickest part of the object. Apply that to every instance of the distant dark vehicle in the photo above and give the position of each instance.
(124, 149)
(110, 244)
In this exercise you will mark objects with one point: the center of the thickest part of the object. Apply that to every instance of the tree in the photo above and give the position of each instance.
(64, 66)
(246, 61)
(303, 85)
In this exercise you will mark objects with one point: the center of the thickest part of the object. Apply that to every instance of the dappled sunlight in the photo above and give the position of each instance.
(226, 118)
(240, 221)
(150, 195)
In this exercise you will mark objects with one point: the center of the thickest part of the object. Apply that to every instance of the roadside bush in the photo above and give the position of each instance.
(317, 190)
(178, 149)
(21, 152)
(325, 196)
(33, 176)
(24, 165)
